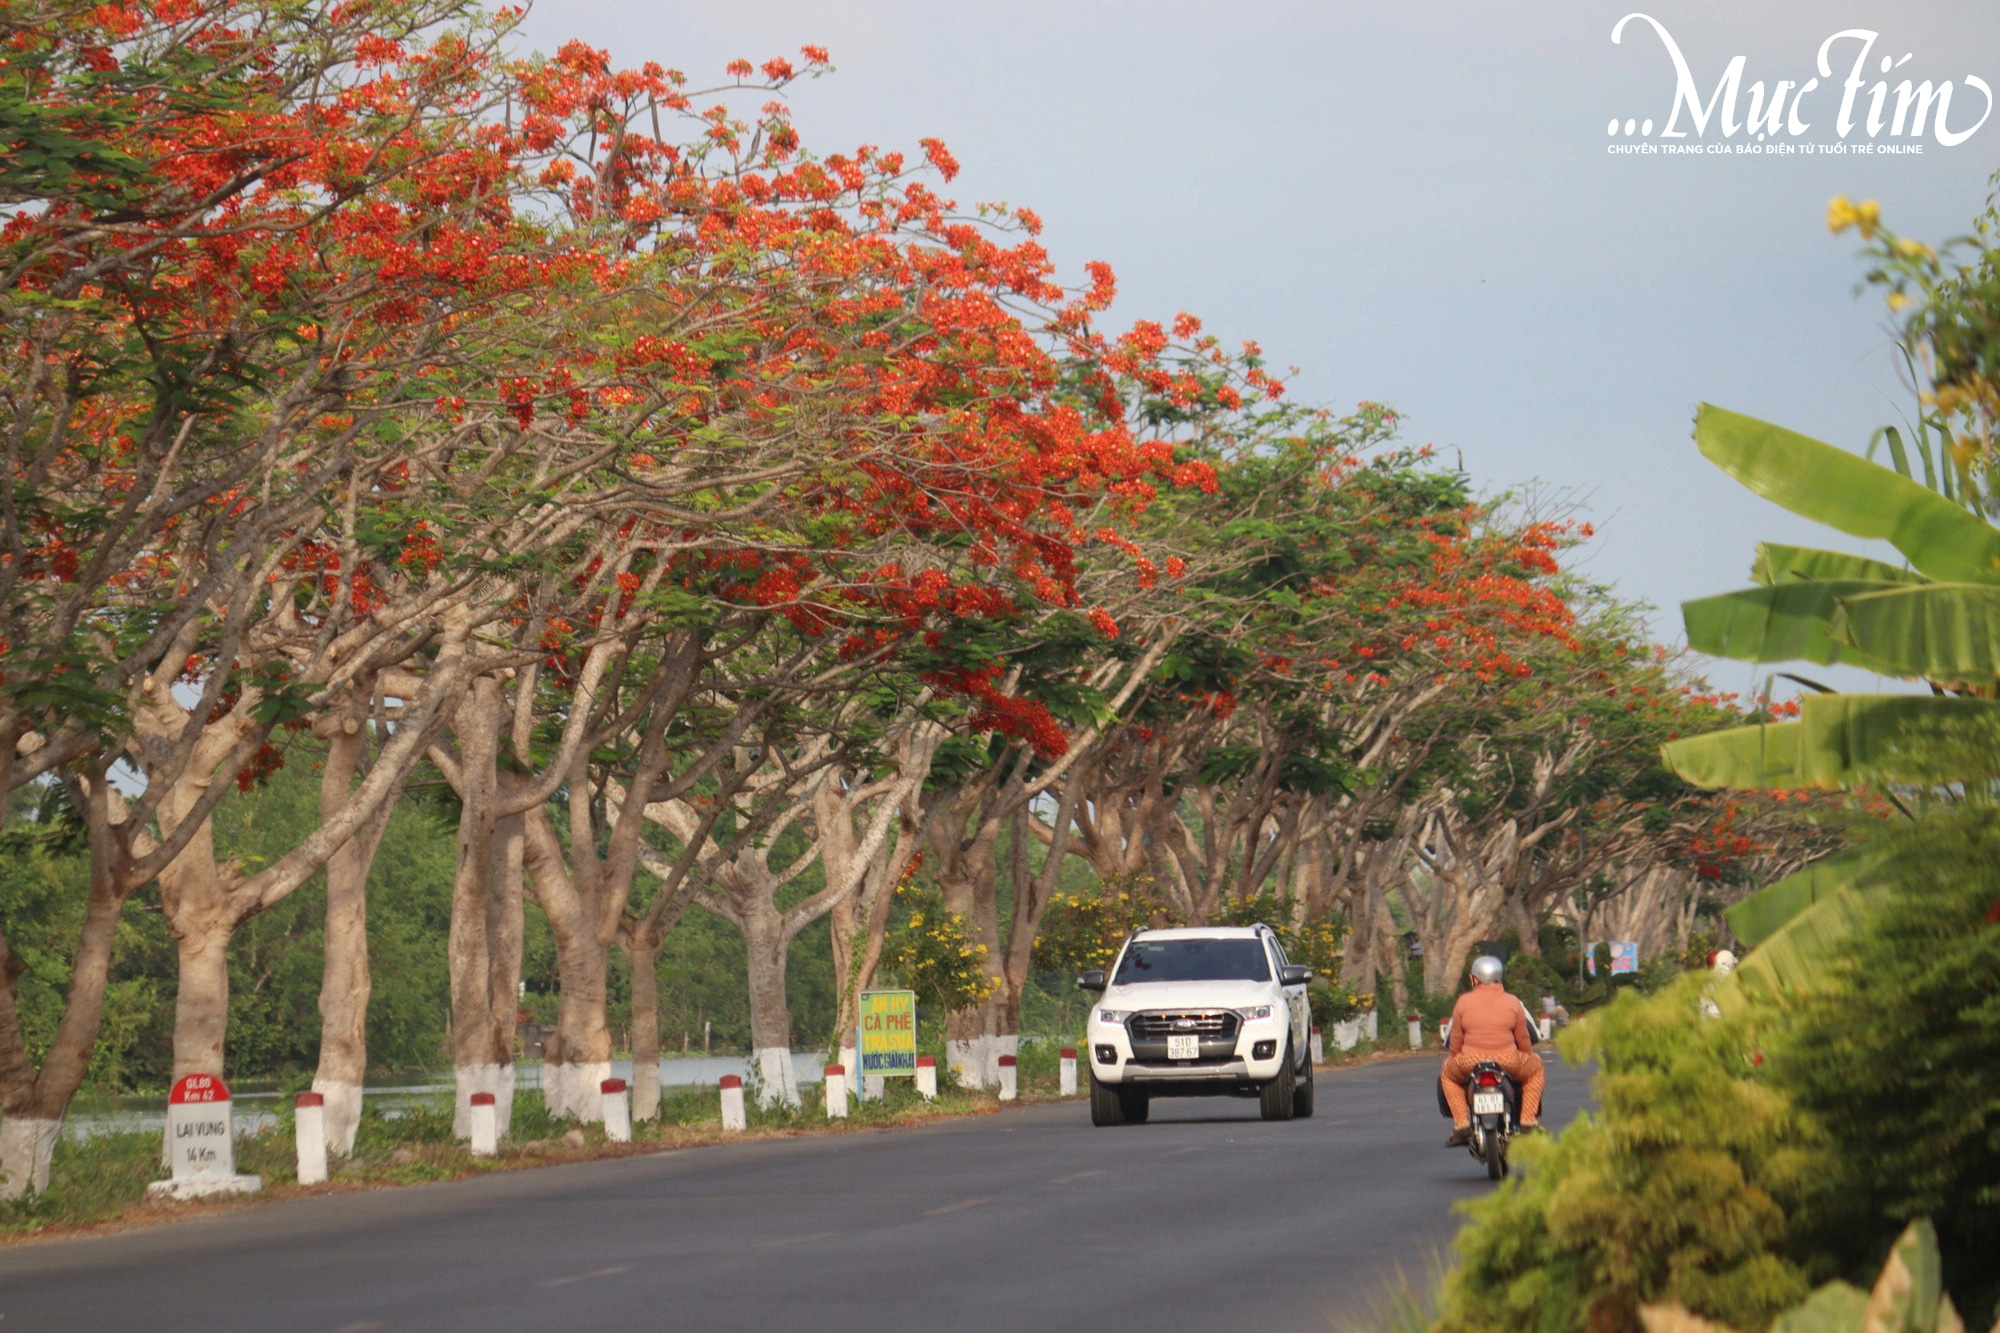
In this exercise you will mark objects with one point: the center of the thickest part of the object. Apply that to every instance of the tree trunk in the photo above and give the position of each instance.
(201, 1004)
(765, 947)
(506, 931)
(34, 1101)
(1389, 950)
(643, 954)
(476, 1065)
(1526, 929)
(345, 983)
(576, 1057)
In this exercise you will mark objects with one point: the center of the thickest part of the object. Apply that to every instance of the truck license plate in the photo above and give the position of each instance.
(1183, 1048)
(1488, 1103)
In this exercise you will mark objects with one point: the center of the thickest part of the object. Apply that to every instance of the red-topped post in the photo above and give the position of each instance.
(485, 1125)
(309, 1136)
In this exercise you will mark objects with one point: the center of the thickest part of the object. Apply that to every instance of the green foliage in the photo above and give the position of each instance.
(1678, 1189)
(1084, 930)
(931, 952)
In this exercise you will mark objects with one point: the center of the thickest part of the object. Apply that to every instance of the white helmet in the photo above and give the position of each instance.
(1488, 969)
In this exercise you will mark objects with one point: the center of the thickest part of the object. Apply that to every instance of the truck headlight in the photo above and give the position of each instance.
(1253, 1014)
(1112, 1016)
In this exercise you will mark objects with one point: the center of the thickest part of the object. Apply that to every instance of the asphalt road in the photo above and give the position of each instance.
(1206, 1218)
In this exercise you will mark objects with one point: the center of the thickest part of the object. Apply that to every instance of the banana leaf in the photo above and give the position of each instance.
(1833, 1308)
(1758, 917)
(1841, 740)
(1784, 622)
(1777, 563)
(1800, 956)
(1742, 757)
(1844, 491)
(1937, 631)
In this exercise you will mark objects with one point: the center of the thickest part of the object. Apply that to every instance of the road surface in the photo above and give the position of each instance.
(1205, 1219)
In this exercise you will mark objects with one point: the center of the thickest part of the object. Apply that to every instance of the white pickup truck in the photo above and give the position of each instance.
(1199, 1012)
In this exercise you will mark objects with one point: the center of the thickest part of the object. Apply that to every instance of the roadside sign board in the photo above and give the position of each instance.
(888, 1044)
(1624, 957)
(199, 1137)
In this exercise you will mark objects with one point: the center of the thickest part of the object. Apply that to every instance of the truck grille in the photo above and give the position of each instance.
(1207, 1024)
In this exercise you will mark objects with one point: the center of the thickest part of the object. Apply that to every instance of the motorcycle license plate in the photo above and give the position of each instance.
(1488, 1103)
(1183, 1048)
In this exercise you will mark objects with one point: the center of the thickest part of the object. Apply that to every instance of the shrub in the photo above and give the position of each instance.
(1909, 1097)
(1679, 1188)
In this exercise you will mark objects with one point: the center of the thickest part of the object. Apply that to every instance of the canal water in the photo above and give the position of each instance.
(256, 1107)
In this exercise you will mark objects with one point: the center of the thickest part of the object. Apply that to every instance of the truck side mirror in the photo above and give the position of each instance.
(1091, 980)
(1295, 975)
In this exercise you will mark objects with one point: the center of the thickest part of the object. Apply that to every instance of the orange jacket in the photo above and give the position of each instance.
(1487, 1018)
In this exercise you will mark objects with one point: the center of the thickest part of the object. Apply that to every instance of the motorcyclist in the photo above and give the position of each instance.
(1487, 1023)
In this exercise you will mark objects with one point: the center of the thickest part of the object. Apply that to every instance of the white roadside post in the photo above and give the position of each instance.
(874, 1087)
(1444, 1032)
(1010, 1079)
(617, 1110)
(1374, 1025)
(836, 1092)
(1318, 1048)
(732, 1103)
(1347, 1034)
(309, 1133)
(201, 1143)
(485, 1125)
(1416, 1032)
(927, 1077)
(1067, 1085)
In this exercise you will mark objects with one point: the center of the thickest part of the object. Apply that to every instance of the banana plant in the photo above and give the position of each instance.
(1937, 621)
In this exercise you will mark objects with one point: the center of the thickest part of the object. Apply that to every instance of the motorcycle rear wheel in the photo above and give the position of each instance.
(1492, 1150)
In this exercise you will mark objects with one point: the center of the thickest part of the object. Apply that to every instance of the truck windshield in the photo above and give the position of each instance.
(1193, 960)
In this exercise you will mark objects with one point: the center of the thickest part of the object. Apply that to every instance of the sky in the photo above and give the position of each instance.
(1416, 204)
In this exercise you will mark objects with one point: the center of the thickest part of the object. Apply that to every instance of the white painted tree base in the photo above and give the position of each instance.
(997, 1045)
(645, 1092)
(343, 1114)
(203, 1187)
(503, 1100)
(26, 1147)
(967, 1060)
(575, 1090)
(777, 1082)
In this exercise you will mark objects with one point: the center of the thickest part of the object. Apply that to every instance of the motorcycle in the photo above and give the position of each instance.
(1496, 1115)
(1495, 1102)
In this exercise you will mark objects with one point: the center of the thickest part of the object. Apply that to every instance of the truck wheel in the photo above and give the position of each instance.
(1107, 1107)
(1302, 1096)
(1138, 1105)
(1279, 1094)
